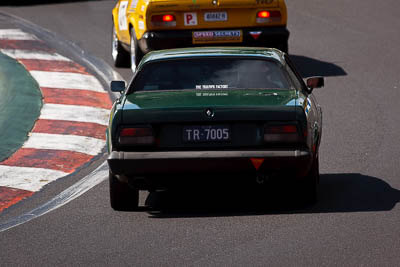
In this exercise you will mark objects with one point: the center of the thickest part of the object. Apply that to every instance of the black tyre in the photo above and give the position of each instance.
(119, 54)
(309, 185)
(284, 47)
(122, 196)
(136, 52)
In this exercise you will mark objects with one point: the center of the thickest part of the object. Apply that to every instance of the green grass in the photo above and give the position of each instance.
(20, 104)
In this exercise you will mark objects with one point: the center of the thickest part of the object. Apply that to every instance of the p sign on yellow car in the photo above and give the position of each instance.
(141, 26)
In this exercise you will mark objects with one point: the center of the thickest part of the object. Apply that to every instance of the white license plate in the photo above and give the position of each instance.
(215, 16)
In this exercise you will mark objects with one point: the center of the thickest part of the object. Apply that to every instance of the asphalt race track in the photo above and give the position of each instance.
(356, 221)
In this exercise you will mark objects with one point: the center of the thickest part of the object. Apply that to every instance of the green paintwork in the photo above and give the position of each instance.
(20, 104)
(189, 105)
(207, 98)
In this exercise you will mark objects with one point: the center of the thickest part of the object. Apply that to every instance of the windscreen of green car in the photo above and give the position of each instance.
(210, 73)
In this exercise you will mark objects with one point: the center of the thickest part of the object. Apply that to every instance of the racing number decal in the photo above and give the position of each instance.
(190, 19)
(122, 16)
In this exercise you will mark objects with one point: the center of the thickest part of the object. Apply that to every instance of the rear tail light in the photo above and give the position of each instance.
(264, 16)
(166, 20)
(136, 136)
(163, 18)
(281, 133)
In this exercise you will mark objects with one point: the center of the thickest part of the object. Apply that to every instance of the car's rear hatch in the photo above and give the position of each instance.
(203, 14)
(189, 105)
(244, 112)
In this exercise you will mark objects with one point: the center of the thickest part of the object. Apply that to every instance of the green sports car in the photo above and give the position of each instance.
(205, 114)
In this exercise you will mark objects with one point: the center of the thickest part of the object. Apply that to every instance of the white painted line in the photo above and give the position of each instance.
(82, 144)
(67, 80)
(26, 178)
(69, 194)
(15, 34)
(74, 113)
(30, 54)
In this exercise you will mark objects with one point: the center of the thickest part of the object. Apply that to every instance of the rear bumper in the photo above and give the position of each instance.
(269, 37)
(150, 164)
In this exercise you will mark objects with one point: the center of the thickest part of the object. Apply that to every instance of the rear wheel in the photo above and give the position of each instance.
(119, 54)
(122, 196)
(309, 185)
(136, 53)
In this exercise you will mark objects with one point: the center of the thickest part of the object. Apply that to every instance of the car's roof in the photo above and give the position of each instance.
(180, 53)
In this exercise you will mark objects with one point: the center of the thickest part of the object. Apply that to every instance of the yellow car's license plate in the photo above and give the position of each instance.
(209, 37)
(216, 16)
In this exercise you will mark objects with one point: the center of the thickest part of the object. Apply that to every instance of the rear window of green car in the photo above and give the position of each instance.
(210, 73)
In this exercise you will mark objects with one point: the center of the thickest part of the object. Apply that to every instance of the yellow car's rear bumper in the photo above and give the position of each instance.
(276, 37)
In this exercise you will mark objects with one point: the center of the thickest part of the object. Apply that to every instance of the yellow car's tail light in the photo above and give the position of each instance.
(166, 20)
(264, 16)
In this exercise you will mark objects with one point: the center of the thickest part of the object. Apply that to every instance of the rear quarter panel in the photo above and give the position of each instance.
(114, 120)
(312, 113)
(120, 20)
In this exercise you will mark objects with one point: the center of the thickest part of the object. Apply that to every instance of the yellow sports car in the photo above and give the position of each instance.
(140, 26)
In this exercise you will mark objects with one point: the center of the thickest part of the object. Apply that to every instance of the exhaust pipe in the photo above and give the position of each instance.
(262, 178)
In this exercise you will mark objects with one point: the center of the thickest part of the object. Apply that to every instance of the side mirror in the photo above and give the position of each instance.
(117, 86)
(315, 82)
